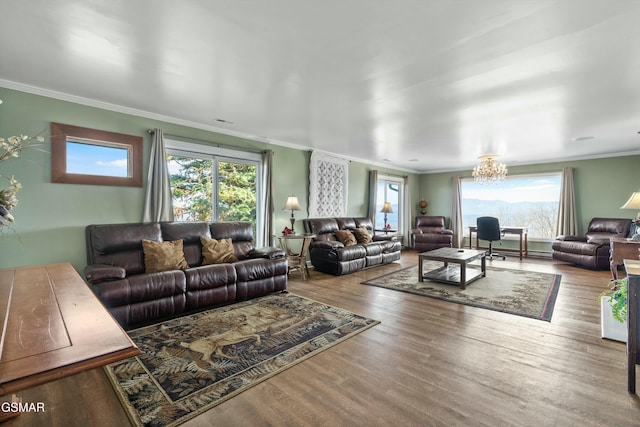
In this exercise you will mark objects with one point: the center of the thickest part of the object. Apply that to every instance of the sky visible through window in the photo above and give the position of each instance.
(92, 159)
(519, 201)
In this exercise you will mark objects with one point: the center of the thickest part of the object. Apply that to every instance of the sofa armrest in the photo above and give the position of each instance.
(569, 238)
(599, 241)
(447, 232)
(266, 252)
(416, 231)
(97, 273)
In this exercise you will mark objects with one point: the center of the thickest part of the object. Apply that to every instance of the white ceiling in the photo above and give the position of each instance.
(418, 85)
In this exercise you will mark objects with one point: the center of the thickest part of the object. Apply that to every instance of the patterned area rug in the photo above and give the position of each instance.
(523, 293)
(190, 364)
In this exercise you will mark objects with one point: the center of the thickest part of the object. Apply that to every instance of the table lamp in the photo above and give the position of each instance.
(386, 209)
(292, 205)
(634, 203)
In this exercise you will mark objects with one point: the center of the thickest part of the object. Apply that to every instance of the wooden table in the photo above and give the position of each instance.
(297, 260)
(454, 276)
(53, 327)
(632, 268)
(522, 232)
(621, 249)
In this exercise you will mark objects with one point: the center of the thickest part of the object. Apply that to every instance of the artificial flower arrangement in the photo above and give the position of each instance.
(10, 148)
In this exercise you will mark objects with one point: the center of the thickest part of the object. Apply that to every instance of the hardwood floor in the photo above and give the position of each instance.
(428, 363)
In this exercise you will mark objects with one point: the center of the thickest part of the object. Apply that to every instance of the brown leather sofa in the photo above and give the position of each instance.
(592, 249)
(329, 255)
(430, 233)
(116, 270)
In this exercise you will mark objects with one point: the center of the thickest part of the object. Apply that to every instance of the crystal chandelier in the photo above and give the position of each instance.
(489, 170)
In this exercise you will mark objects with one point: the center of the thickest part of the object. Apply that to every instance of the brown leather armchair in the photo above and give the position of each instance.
(430, 233)
(592, 249)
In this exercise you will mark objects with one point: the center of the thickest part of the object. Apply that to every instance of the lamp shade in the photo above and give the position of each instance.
(292, 204)
(633, 202)
(386, 208)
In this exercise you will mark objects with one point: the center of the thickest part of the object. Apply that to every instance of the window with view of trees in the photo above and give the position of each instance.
(520, 201)
(211, 186)
(390, 189)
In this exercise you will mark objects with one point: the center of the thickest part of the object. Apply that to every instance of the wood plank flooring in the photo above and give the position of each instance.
(428, 363)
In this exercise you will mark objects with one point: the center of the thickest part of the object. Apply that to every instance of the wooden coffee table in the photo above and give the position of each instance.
(460, 276)
(53, 326)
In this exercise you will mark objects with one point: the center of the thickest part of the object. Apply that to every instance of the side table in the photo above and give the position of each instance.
(621, 249)
(297, 261)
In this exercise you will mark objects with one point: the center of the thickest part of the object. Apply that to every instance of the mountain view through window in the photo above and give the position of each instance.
(519, 201)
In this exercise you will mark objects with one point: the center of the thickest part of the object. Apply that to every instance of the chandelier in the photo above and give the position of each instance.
(489, 170)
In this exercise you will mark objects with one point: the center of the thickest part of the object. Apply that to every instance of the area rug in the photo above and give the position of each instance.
(191, 364)
(519, 292)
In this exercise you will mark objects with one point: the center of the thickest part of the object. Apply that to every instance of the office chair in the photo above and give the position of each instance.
(488, 228)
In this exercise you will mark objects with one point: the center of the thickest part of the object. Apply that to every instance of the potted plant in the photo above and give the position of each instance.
(613, 308)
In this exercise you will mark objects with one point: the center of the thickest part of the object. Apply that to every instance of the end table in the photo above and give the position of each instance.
(297, 261)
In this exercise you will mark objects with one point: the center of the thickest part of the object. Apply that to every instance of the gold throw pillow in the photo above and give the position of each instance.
(346, 237)
(217, 251)
(163, 256)
(362, 235)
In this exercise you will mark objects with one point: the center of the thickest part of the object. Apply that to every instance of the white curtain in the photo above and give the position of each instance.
(328, 185)
(567, 217)
(406, 212)
(456, 213)
(158, 201)
(373, 194)
(267, 182)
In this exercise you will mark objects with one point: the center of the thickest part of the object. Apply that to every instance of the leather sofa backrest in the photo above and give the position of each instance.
(613, 226)
(364, 222)
(240, 233)
(346, 223)
(430, 223)
(120, 244)
(190, 233)
(323, 228)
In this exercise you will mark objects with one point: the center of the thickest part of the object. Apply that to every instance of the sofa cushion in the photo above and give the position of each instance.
(362, 235)
(189, 232)
(163, 256)
(217, 251)
(346, 237)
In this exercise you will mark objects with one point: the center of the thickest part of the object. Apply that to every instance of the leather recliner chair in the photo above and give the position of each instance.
(592, 249)
(430, 233)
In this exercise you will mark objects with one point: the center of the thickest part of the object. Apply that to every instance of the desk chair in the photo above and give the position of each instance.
(488, 228)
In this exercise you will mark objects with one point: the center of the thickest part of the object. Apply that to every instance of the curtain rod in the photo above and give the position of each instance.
(209, 143)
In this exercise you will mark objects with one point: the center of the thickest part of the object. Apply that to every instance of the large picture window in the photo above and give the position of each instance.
(214, 184)
(519, 201)
(390, 189)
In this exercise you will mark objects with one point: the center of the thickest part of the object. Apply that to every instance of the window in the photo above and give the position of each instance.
(215, 184)
(519, 201)
(88, 156)
(390, 189)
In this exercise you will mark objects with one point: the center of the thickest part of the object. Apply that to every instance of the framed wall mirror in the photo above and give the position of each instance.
(88, 156)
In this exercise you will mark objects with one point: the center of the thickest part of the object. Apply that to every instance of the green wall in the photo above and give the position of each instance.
(51, 218)
(601, 187)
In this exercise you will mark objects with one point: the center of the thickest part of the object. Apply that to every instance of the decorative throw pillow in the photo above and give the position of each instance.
(217, 251)
(346, 237)
(362, 235)
(163, 256)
